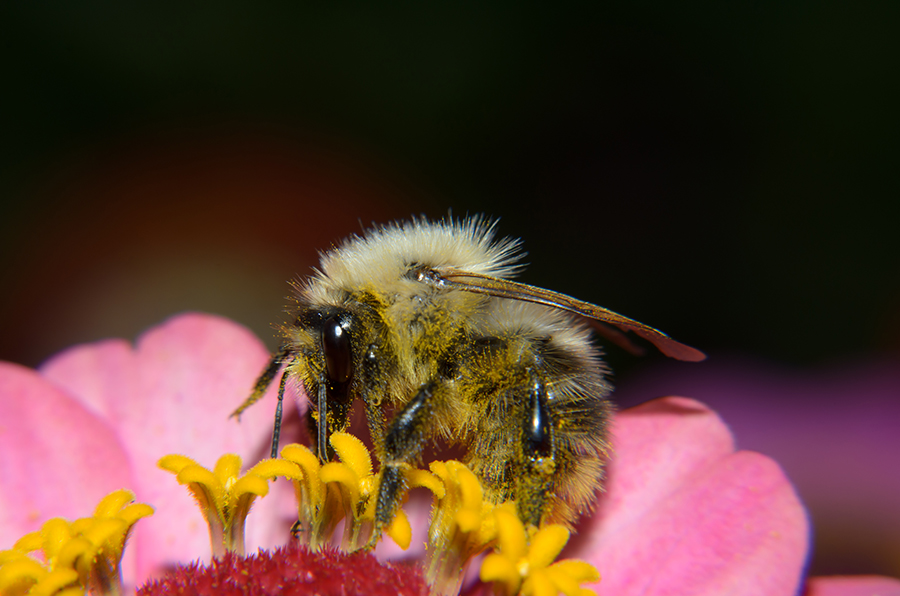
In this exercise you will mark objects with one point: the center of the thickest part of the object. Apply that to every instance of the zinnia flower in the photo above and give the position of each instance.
(683, 512)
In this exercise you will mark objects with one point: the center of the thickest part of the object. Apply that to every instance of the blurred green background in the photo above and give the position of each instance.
(723, 171)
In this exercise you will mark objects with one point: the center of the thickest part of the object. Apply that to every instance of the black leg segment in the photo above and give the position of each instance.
(403, 444)
(276, 432)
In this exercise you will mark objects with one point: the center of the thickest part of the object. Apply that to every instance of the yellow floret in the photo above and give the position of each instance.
(73, 557)
(224, 496)
(523, 563)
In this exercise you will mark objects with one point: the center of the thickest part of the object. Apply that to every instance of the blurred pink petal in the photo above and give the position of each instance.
(171, 393)
(47, 439)
(833, 429)
(863, 585)
(686, 514)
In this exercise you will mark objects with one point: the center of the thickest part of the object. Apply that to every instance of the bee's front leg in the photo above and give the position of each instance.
(403, 443)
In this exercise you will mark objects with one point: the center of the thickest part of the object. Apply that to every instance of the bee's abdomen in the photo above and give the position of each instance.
(533, 402)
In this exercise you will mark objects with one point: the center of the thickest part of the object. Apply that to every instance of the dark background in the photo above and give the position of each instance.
(724, 172)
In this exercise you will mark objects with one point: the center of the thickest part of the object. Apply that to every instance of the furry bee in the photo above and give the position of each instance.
(421, 321)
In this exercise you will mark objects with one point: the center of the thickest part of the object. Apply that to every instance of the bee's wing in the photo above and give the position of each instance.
(601, 318)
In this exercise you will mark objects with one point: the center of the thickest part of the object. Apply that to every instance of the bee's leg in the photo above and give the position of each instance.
(330, 416)
(403, 443)
(312, 429)
(323, 449)
(265, 379)
(535, 450)
(371, 391)
(276, 431)
(376, 422)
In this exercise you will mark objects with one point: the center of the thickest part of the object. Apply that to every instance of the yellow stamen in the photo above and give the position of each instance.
(315, 520)
(223, 496)
(499, 569)
(342, 490)
(353, 453)
(400, 530)
(523, 563)
(18, 574)
(462, 525)
(546, 545)
(54, 582)
(84, 555)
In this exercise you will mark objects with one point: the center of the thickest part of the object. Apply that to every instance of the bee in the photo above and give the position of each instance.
(422, 322)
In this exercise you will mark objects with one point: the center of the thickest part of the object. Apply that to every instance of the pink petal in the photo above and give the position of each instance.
(173, 393)
(852, 586)
(48, 439)
(842, 417)
(684, 514)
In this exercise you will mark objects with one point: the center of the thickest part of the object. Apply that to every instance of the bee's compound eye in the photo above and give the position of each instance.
(336, 344)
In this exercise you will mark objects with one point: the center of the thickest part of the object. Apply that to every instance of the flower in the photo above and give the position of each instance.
(683, 511)
(97, 417)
